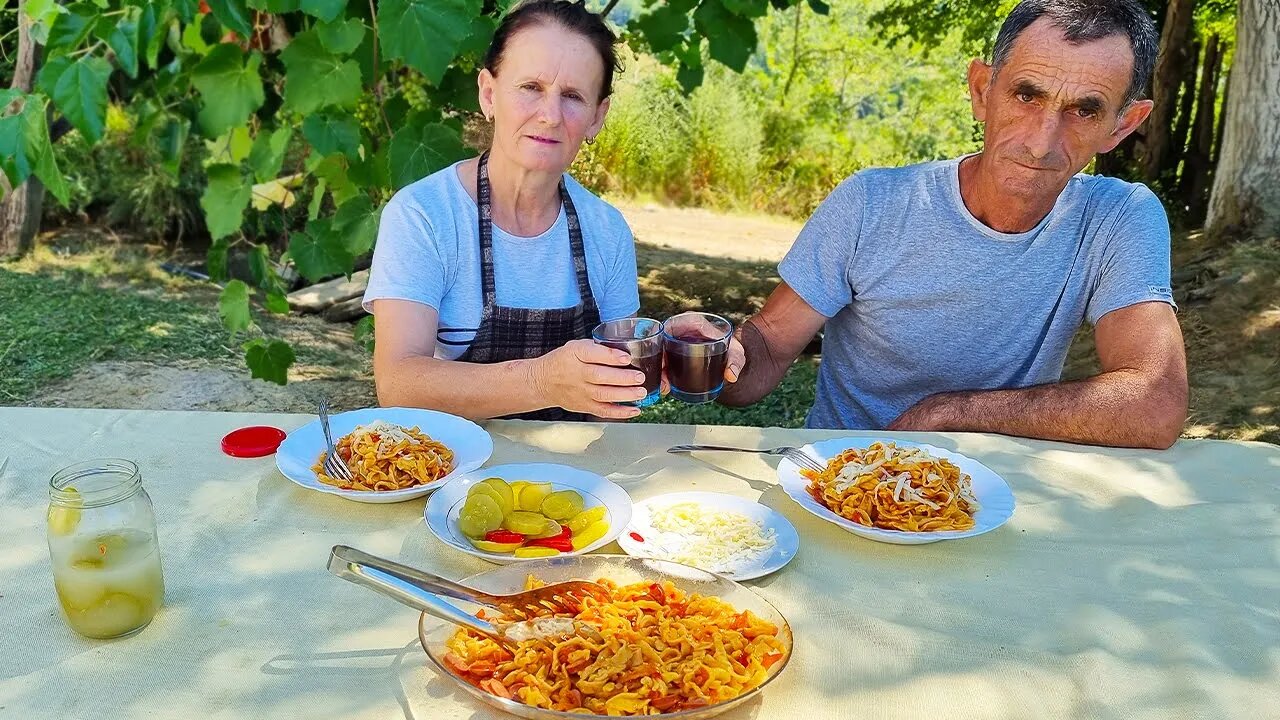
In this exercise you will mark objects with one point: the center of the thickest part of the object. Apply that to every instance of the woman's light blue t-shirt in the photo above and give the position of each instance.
(428, 251)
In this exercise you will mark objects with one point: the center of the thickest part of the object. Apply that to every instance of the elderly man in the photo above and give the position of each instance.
(950, 291)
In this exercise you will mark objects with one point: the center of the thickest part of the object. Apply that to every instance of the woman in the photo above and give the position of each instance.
(489, 275)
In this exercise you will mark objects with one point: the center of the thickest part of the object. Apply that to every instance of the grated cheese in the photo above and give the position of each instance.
(713, 540)
(388, 434)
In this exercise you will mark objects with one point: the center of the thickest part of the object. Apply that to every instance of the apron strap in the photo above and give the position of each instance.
(484, 211)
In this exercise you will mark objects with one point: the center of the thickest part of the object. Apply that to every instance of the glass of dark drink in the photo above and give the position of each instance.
(697, 347)
(642, 338)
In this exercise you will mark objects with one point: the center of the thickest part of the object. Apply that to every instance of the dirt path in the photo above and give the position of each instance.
(752, 238)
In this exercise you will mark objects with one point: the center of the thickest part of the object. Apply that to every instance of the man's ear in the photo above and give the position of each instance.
(980, 76)
(1130, 119)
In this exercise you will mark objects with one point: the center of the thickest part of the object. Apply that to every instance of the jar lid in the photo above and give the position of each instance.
(251, 442)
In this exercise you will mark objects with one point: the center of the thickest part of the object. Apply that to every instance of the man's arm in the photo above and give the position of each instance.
(767, 344)
(1139, 399)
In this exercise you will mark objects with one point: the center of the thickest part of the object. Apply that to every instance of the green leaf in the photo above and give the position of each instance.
(332, 131)
(356, 223)
(123, 41)
(665, 27)
(260, 265)
(193, 40)
(233, 14)
(820, 7)
(70, 29)
(317, 199)
(426, 34)
(457, 90)
(477, 43)
(231, 147)
(267, 156)
(326, 10)
(333, 169)
(39, 148)
(173, 140)
(269, 361)
(277, 302)
(371, 171)
(233, 306)
(363, 333)
(225, 200)
(341, 37)
(318, 252)
(148, 27)
(317, 78)
(230, 88)
(747, 8)
(731, 39)
(690, 72)
(81, 95)
(43, 14)
(216, 259)
(419, 150)
(275, 6)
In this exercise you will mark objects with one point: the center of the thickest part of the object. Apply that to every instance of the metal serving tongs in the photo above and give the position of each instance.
(421, 591)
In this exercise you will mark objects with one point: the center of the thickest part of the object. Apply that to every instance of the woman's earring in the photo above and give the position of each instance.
(591, 141)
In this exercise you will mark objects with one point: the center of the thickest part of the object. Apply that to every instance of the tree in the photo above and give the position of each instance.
(1175, 58)
(20, 208)
(1246, 189)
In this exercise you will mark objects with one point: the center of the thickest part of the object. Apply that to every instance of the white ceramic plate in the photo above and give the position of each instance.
(443, 507)
(659, 545)
(992, 491)
(471, 447)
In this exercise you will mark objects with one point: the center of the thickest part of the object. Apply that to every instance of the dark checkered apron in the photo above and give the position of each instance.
(519, 333)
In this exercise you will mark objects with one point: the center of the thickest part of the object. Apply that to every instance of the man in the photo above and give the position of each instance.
(950, 291)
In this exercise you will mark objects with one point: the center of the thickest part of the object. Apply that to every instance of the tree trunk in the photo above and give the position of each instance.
(1186, 108)
(1198, 173)
(1172, 64)
(1222, 118)
(21, 206)
(1246, 196)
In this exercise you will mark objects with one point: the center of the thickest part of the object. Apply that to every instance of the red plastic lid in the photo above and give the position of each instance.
(250, 442)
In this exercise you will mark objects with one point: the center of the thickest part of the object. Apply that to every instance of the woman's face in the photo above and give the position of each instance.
(545, 98)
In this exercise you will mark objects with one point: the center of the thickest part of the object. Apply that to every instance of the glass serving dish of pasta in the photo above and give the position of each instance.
(897, 491)
(674, 641)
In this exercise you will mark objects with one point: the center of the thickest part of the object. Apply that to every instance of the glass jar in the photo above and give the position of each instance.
(103, 548)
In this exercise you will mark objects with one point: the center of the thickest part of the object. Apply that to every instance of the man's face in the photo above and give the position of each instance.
(1052, 106)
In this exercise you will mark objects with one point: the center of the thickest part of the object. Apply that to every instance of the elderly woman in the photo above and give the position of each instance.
(489, 275)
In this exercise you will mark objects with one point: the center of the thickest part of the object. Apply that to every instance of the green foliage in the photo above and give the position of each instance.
(335, 102)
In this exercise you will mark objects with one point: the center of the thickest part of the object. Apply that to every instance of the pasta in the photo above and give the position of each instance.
(661, 650)
(893, 488)
(385, 457)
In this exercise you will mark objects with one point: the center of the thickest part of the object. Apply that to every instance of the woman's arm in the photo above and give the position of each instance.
(577, 377)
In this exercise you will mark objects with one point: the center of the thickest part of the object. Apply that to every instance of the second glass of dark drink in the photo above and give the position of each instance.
(642, 338)
(697, 347)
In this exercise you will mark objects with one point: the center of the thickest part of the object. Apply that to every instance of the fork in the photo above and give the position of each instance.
(795, 455)
(421, 590)
(333, 465)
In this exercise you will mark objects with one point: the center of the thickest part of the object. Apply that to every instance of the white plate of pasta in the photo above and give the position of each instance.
(899, 492)
(396, 454)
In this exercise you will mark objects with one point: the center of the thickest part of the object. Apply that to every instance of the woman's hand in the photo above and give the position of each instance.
(583, 376)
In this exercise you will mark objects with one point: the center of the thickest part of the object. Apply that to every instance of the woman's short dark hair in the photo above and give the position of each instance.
(572, 16)
(1084, 21)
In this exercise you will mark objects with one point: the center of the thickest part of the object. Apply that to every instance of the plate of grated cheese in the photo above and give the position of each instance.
(724, 534)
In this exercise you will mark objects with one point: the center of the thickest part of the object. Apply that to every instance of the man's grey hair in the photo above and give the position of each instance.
(1083, 21)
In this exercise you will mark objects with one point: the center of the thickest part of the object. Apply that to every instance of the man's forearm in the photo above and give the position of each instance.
(762, 373)
(1123, 408)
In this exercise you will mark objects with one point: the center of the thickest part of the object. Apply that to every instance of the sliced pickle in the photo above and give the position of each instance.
(525, 523)
(480, 514)
(505, 492)
(489, 491)
(553, 529)
(63, 519)
(531, 496)
(536, 552)
(593, 533)
(493, 547)
(562, 505)
(586, 519)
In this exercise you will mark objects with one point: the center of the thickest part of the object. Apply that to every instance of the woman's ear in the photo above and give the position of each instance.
(601, 111)
(485, 84)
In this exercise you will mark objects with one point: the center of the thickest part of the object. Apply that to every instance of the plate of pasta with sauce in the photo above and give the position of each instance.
(899, 492)
(394, 454)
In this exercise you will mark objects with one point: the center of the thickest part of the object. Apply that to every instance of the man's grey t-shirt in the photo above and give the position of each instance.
(923, 298)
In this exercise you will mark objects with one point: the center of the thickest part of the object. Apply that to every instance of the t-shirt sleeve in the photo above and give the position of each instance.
(621, 291)
(407, 262)
(1135, 264)
(818, 264)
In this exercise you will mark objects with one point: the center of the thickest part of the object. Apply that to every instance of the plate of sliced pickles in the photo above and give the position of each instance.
(510, 513)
